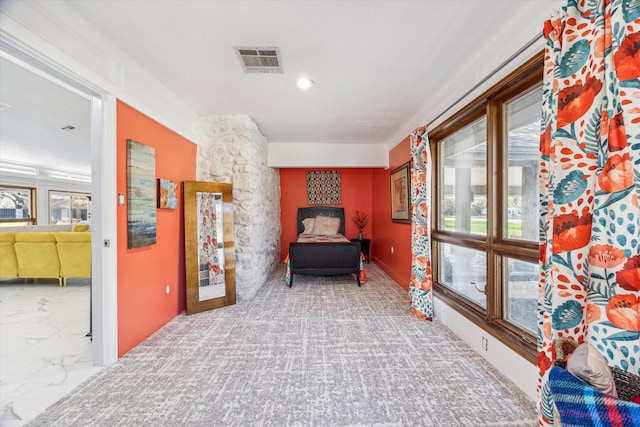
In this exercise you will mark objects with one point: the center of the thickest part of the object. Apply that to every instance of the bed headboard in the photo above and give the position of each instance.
(313, 212)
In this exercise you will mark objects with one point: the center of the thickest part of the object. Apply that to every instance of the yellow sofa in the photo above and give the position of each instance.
(37, 255)
(8, 261)
(74, 251)
(48, 255)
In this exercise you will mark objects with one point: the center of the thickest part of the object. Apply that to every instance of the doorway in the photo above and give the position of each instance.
(64, 167)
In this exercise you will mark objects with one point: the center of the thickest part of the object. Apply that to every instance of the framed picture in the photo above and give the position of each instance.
(167, 194)
(400, 184)
(141, 190)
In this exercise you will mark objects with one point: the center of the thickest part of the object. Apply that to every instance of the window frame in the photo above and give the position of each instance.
(33, 219)
(497, 245)
(71, 194)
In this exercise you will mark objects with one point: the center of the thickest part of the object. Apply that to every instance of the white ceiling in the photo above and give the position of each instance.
(380, 67)
(31, 127)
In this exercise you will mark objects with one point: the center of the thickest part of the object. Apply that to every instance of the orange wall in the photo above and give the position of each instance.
(357, 194)
(389, 234)
(143, 273)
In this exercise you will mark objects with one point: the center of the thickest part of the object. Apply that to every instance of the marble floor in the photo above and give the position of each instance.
(44, 350)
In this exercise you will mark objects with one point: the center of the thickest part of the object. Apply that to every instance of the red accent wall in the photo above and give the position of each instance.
(389, 234)
(357, 194)
(143, 273)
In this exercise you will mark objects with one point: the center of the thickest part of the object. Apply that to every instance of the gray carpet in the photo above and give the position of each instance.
(323, 353)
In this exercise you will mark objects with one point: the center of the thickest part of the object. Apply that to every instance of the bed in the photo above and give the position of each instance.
(323, 254)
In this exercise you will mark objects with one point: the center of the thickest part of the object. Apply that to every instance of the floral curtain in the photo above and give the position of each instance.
(420, 292)
(589, 186)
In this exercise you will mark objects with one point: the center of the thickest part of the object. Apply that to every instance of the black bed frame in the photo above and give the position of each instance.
(323, 258)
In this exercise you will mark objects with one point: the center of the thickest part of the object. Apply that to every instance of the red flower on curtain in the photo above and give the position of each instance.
(420, 315)
(629, 277)
(593, 313)
(574, 101)
(571, 232)
(624, 312)
(627, 58)
(617, 173)
(545, 141)
(617, 133)
(606, 256)
(554, 28)
(543, 252)
(544, 362)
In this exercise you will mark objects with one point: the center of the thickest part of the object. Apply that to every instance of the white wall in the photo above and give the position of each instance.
(284, 155)
(519, 370)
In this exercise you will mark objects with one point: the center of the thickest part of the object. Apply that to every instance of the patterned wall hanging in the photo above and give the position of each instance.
(324, 188)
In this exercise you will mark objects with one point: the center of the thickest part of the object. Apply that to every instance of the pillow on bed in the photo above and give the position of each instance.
(326, 225)
(308, 225)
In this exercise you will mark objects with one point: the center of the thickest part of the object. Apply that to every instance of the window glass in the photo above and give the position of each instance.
(463, 195)
(522, 209)
(16, 206)
(521, 302)
(68, 208)
(463, 271)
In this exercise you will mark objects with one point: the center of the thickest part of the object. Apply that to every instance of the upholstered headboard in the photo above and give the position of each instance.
(313, 212)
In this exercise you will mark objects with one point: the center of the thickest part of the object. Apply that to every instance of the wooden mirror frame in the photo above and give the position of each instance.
(191, 221)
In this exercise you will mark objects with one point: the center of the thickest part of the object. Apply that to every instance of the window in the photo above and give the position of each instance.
(17, 206)
(68, 208)
(485, 232)
(463, 198)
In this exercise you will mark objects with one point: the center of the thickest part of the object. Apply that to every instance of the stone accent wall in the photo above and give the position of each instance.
(232, 149)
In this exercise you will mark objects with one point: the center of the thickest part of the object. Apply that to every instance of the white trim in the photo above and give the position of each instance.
(104, 220)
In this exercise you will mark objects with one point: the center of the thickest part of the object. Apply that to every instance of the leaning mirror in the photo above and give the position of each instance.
(209, 245)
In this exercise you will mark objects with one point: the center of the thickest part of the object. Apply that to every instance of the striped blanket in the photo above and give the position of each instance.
(581, 405)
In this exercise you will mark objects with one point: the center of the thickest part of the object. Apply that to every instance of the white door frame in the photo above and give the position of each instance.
(103, 187)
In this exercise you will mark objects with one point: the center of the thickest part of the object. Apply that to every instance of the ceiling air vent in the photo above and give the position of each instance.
(260, 59)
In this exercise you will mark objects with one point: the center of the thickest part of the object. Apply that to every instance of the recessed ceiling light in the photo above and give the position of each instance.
(304, 83)
(4, 106)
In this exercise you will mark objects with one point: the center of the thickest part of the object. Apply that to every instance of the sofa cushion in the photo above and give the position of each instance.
(74, 250)
(70, 236)
(80, 227)
(8, 263)
(37, 255)
(8, 237)
(36, 237)
(40, 228)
